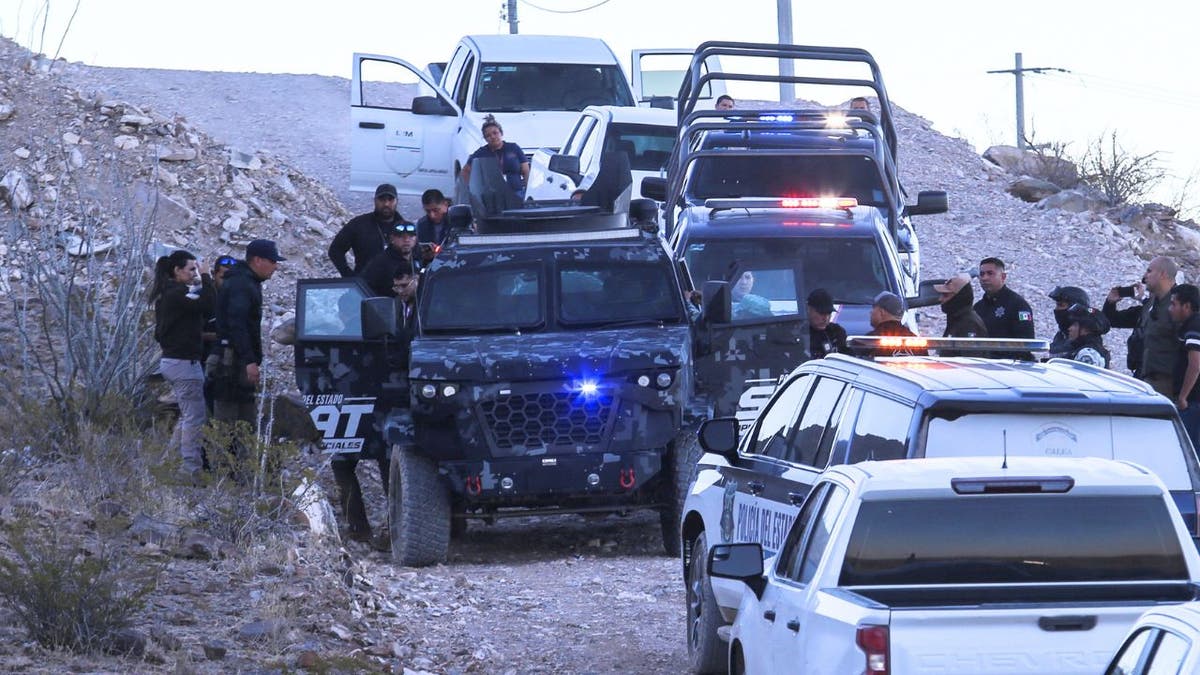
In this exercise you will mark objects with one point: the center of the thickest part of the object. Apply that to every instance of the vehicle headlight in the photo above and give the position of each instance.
(643, 380)
(663, 380)
(449, 390)
(428, 391)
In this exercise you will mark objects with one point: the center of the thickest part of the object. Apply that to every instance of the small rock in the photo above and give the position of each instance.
(126, 642)
(165, 638)
(233, 223)
(285, 185)
(242, 186)
(307, 659)
(215, 650)
(169, 154)
(261, 630)
(6, 111)
(136, 120)
(244, 160)
(341, 632)
(14, 189)
(148, 530)
(200, 546)
(76, 158)
(124, 142)
(270, 569)
(70, 138)
(23, 153)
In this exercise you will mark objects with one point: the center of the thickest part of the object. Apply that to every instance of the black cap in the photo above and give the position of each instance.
(385, 190)
(264, 248)
(821, 301)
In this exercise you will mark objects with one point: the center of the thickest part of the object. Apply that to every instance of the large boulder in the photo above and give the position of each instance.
(1057, 170)
(1032, 189)
(1074, 201)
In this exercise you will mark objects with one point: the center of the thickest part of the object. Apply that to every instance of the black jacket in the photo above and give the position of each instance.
(431, 232)
(961, 320)
(1089, 349)
(832, 340)
(366, 237)
(1007, 315)
(179, 320)
(382, 269)
(1153, 326)
(893, 328)
(239, 314)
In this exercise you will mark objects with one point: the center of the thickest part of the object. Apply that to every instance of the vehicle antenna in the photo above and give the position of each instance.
(1004, 442)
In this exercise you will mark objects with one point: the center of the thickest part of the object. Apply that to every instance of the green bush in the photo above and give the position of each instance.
(67, 599)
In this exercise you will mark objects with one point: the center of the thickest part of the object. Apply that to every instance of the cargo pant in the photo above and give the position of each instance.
(187, 381)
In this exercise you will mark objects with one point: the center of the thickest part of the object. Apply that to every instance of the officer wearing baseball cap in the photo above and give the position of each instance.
(956, 298)
(886, 311)
(824, 336)
(366, 235)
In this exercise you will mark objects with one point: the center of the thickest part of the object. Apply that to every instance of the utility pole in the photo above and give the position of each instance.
(787, 90)
(1019, 71)
(512, 17)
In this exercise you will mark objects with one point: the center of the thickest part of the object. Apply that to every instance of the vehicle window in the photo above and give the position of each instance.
(625, 293)
(770, 438)
(589, 149)
(818, 539)
(575, 140)
(850, 268)
(762, 292)
(464, 82)
(840, 441)
(331, 312)
(824, 450)
(647, 145)
(1063, 435)
(785, 176)
(1168, 656)
(923, 541)
(516, 87)
(498, 298)
(388, 85)
(1127, 660)
(793, 546)
(814, 419)
(450, 75)
(881, 430)
(663, 73)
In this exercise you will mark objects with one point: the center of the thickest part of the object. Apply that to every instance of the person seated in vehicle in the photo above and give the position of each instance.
(746, 305)
(1085, 327)
(725, 102)
(886, 312)
(509, 156)
(400, 255)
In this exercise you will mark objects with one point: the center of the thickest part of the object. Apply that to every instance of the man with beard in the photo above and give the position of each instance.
(366, 236)
(1064, 297)
(956, 298)
(399, 257)
(1159, 331)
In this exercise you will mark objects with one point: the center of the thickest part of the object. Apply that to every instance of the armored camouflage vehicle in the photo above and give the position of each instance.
(548, 373)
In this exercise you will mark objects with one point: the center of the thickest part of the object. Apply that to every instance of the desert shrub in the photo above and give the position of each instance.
(67, 599)
(1123, 177)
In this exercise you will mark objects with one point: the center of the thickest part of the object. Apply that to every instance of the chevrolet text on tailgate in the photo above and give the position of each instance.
(980, 565)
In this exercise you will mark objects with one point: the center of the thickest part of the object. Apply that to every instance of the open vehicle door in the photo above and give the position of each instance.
(657, 74)
(402, 125)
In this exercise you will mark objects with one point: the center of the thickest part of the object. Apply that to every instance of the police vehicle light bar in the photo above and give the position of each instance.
(828, 203)
(956, 344)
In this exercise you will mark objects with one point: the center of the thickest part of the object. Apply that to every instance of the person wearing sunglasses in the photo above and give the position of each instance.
(400, 256)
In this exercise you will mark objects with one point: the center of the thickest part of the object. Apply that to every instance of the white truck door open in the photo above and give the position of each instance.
(402, 125)
(659, 72)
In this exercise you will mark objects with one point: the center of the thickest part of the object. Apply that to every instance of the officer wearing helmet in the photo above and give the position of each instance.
(1085, 327)
(1064, 297)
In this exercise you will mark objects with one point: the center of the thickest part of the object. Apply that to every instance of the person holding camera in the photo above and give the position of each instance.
(1159, 352)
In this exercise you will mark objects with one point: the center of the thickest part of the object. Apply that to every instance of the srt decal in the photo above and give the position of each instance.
(340, 420)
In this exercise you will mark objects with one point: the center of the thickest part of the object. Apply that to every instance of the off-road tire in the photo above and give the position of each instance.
(680, 471)
(706, 652)
(418, 510)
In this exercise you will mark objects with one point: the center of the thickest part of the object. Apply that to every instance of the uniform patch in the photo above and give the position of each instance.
(1024, 316)
(999, 312)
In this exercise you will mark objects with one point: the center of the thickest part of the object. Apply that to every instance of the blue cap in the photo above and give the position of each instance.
(264, 248)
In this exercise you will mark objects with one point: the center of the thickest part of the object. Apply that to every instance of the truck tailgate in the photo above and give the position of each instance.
(1060, 639)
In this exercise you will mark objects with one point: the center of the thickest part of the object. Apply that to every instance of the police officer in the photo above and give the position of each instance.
(824, 336)
(1064, 297)
(1085, 326)
(1160, 350)
(1003, 310)
(366, 235)
(886, 311)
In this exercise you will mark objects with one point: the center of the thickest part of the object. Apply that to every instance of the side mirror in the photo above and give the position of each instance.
(720, 436)
(740, 562)
(926, 296)
(380, 318)
(717, 305)
(432, 105)
(662, 102)
(567, 165)
(928, 202)
(654, 187)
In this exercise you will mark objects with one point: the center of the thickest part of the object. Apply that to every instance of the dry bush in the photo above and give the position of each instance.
(67, 599)
(1122, 176)
(1053, 162)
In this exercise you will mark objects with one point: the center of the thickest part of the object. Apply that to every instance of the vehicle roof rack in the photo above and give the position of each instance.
(696, 77)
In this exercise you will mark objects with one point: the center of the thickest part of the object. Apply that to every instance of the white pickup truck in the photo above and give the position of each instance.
(1037, 565)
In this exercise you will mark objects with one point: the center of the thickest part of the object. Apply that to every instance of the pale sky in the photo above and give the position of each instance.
(1133, 63)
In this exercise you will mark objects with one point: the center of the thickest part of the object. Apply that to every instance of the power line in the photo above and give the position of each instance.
(1018, 70)
(1130, 91)
(565, 11)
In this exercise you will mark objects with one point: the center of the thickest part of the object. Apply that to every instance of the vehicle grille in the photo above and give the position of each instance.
(545, 420)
